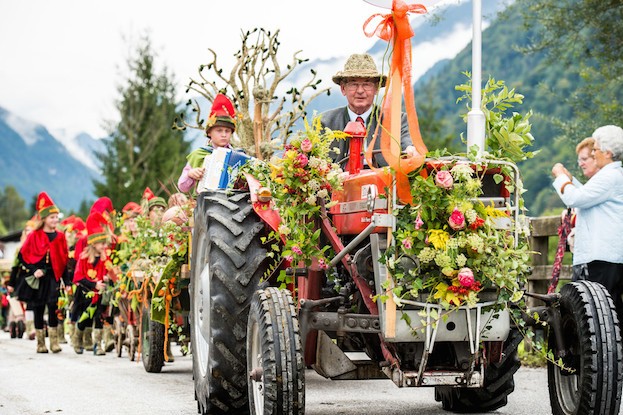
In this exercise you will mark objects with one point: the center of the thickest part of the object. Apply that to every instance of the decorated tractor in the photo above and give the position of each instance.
(431, 292)
(417, 275)
(152, 292)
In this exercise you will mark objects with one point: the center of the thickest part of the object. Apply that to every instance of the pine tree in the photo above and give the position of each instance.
(142, 149)
(12, 209)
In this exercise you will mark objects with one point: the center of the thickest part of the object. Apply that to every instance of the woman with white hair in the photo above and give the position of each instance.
(599, 205)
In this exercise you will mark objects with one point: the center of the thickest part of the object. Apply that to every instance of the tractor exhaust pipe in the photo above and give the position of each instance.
(476, 118)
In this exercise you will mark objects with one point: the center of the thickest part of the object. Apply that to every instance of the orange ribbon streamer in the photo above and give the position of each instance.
(395, 26)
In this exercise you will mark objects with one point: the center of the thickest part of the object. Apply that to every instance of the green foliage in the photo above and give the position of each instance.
(556, 92)
(13, 213)
(584, 36)
(506, 136)
(142, 149)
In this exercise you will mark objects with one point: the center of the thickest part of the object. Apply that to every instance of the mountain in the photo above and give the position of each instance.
(82, 146)
(32, 160)
(547, 88)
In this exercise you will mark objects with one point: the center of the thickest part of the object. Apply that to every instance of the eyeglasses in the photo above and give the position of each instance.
(354, 86)
(584, 159)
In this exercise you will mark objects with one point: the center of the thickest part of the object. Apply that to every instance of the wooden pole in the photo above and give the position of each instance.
(395, 128)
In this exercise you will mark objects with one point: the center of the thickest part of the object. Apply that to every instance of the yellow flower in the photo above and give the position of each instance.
(438, 238)
(494, 213)
(92, 274)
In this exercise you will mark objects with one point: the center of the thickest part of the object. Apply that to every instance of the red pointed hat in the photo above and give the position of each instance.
(101, 205)
(68, 223)
(96, 231)
(45, 205)
(222, 113)
(150, 200)
(79, 225)
(132, 208)
(104, 206)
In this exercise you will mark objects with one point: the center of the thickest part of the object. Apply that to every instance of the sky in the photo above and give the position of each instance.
(61, 61)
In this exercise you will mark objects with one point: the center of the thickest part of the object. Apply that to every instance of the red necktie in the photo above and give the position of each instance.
(359, 119)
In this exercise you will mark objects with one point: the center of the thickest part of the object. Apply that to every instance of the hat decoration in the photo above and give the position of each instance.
(152, 200)
(96, 231)
(222, 113)
(359, 66)
(45, 205)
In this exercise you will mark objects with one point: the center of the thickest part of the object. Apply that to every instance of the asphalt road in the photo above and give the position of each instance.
(71, 384)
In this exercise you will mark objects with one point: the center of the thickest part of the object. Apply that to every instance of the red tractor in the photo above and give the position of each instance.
(252, 341)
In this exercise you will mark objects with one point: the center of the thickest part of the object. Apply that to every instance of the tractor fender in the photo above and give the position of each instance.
(265, 210)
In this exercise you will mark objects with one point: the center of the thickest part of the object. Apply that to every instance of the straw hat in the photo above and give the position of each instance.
(359, 66)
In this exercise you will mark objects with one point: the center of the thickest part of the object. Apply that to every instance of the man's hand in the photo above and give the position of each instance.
(38, 273)
(411, 151)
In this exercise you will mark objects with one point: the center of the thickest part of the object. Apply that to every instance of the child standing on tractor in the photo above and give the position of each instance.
(219, 130)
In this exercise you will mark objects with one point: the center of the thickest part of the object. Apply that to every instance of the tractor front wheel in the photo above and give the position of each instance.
(590, 380)
(228, 263)
(274, 355)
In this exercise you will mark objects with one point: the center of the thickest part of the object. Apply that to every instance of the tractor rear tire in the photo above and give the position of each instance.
(228, 263)
(152, 342)
(274, 355)
(593, 340)
(498, 384)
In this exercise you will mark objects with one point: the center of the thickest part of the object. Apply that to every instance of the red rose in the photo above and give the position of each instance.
(456, 220)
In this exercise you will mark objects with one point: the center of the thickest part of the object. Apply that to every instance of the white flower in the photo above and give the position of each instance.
(426, 255)
(461, 260)
(461, 171)
(313, 185)
(323, 193)
(284, 230)
(311, 200)
(471, 215)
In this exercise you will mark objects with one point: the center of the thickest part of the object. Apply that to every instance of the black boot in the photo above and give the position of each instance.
(21, 328)
(13, 329)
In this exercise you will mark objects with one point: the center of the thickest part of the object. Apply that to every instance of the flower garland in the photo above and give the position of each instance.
(300, 182)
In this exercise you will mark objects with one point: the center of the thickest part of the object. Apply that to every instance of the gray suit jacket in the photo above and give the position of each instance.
(336, 119)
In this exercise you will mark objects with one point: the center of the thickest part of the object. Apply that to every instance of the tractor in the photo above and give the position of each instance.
(252, 340)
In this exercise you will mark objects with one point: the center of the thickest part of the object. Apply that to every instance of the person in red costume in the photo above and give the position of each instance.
(105, 208)
(91, 276)
(43, 258)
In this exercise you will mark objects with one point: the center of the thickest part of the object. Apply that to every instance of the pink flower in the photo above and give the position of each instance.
(297, 250)
(444, 179)
(322, 264)
(407, 243)
(466, 277)
(289, 259)
(302, 160)
(456, 220)
(306, 145)
(418, 222)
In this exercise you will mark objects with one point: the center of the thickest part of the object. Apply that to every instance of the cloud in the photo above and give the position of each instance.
(63, 59)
